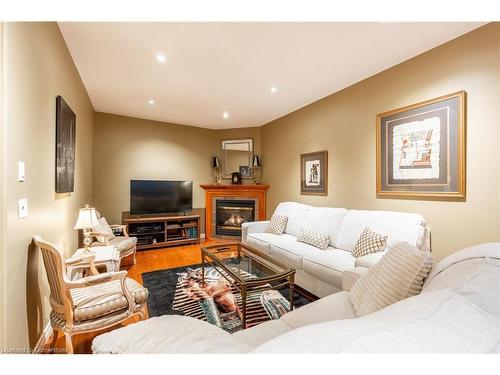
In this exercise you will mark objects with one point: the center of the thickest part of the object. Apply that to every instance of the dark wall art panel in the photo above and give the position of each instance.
(65, 147)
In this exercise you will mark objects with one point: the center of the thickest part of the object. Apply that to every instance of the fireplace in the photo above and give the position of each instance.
(230, 214)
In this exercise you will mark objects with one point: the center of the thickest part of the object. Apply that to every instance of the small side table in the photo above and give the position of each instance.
(107, 256)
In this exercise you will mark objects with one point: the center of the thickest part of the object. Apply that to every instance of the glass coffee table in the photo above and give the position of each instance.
(247, 269)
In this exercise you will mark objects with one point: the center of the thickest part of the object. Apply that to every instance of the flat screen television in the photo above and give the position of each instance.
(160, 197)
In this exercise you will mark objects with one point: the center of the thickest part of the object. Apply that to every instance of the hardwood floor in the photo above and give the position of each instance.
(147, 260)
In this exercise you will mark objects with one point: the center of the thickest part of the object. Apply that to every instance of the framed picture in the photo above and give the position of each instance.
(236, 178)
(421, 150)
(314, 173)
(246, 171)
(65, 146)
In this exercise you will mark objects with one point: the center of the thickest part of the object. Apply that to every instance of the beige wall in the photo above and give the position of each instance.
(344, 124)
(128, 148)
(3, 272)
(37, 68)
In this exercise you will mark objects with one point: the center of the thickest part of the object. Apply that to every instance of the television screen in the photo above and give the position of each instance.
(160, 197)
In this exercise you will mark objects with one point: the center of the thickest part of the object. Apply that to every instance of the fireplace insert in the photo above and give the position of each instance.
(230, 214)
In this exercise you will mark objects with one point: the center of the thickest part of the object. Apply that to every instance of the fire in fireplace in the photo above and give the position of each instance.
(230, 214)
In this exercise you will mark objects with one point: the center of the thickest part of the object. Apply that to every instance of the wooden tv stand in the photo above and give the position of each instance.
(162, 230)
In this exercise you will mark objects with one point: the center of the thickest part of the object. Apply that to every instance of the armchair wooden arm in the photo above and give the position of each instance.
(85, 260)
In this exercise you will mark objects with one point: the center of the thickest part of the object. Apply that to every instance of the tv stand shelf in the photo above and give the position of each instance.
(155, 231)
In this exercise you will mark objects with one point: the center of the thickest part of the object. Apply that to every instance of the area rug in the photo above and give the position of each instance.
(177, 291)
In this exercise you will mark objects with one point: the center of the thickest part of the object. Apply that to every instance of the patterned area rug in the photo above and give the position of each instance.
(178, 291)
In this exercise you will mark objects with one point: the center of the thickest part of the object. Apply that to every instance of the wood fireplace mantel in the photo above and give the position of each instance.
(257, 192)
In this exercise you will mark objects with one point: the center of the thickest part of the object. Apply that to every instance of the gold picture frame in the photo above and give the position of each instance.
(314, 166)
(421, 150)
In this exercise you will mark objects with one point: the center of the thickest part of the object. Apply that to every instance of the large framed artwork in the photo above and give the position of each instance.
(421, 150)
(314, 173)
(65, 146)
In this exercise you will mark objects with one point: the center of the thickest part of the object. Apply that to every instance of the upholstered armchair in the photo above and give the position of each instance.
(103, 235)
(91, 303)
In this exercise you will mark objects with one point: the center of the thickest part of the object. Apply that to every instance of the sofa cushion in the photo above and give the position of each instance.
(467, 272)
(369, 242)
(398, 226)
(287, 250)
(437, 322)
(296, 213)
(319, 240)
(333, 307)
(328, 265)
(326, 220)
(260, 241)
(398, 275)
(168, 334)
(277, 224)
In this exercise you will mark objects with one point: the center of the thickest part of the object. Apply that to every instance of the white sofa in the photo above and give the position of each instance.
(323, 272)
(457, 311)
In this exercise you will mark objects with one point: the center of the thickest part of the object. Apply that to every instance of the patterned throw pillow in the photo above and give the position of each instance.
(277, 224)
(315, 239)
(369, 242)
(388, 282)
(104, 228)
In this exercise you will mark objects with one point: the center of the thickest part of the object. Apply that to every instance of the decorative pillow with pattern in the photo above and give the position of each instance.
(104, 229)
(369, 242)
(398, 275)
(277, 224)
(319, 240)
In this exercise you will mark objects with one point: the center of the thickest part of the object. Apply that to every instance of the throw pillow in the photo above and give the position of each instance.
(277, 224)
(399, 274)
(369, 242)
(104, 229)
(315, 239)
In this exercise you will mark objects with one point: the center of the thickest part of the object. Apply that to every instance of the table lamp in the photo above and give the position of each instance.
(256, 165)
(216, 167)
(87, 219)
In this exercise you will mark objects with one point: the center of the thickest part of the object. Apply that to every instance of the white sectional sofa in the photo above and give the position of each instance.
(457, 311)
(323, 272)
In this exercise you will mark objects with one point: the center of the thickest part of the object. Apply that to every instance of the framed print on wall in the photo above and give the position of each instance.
(65, 147)
(314, 173)
(421, 150)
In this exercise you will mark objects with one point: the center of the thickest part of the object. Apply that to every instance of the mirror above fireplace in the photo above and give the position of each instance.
(237, 156)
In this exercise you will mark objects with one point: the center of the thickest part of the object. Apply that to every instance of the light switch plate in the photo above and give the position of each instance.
(21, 171)
(23, 207)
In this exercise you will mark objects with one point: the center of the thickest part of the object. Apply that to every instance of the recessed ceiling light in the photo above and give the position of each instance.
(151, 101)
(225, 115)
(161, 58)
(273, 90)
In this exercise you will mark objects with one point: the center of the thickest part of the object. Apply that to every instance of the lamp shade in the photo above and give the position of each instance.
(87, 218)
(215, 162)
(256, 161)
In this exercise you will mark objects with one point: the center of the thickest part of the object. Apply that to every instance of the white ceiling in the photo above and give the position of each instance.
(216, 67)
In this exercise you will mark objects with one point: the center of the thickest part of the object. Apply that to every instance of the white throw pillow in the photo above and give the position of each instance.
(277, 224)
(319, 240)
(369, 242)
(399, 274)
(104, 228)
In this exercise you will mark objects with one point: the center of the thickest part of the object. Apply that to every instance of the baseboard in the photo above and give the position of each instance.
(44, 338)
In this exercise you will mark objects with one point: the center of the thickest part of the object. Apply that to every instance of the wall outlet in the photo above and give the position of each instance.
(21, 171)
(23, 207)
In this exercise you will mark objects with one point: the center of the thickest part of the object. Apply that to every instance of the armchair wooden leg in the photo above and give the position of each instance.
(69, 344)
(142, 313)
(54, 338)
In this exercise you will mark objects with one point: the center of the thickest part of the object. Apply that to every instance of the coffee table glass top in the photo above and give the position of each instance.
(243, 262)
